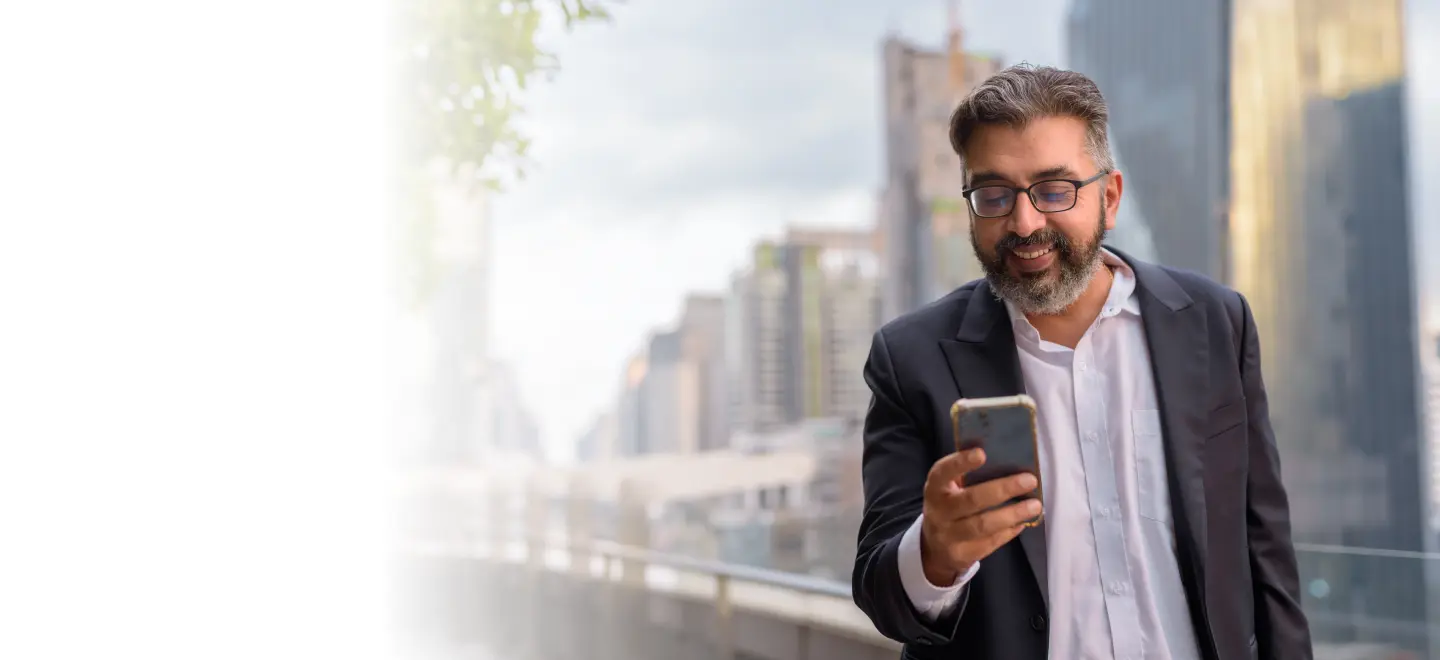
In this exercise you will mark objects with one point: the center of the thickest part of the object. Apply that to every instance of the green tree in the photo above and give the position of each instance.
(465, 65)
(463, 68)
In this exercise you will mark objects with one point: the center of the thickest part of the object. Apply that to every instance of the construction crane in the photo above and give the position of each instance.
(955, 51)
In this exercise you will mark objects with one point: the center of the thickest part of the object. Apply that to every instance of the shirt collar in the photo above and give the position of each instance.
(1122, 298)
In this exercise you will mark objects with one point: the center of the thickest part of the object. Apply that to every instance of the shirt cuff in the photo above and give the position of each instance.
(931, 601)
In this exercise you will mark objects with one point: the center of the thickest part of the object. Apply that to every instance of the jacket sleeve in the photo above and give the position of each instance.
(1281, 629)
(895, 463)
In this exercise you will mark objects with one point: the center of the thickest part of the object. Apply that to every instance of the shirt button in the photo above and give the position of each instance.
(1038, 622)
(1117, 588)
(1082, 365)
(1091, 436)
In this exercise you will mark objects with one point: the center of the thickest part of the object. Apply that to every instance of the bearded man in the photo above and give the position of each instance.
(1166, 529)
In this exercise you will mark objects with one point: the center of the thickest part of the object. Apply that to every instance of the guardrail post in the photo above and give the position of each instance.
(724, 619)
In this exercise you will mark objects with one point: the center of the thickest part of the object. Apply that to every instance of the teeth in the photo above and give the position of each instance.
(1033, 255)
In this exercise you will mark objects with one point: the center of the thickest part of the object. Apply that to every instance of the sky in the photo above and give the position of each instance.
(679, 134)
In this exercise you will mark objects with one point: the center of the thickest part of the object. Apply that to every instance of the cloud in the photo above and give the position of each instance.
(675, 137)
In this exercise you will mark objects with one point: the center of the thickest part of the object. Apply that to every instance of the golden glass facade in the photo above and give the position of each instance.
(1319, 234)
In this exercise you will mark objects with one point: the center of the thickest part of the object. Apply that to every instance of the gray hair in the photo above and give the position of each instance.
(1023, 93)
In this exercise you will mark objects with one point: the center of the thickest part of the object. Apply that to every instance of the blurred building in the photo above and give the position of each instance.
(801, 316)
(1430, 363)
(1319, 237)
(473, 405)
(675, 393)
(672, 406)
(809, 528)
(509, 429)
(923, 225)
(601, 441)
(1163, 66)
(630, 436)
(702, 328)
(756, 350)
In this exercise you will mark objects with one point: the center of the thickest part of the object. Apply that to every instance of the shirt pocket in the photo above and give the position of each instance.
(1150, 486)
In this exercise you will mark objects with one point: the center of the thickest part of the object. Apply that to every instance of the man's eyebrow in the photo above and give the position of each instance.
(977, 178)
(1057, 172)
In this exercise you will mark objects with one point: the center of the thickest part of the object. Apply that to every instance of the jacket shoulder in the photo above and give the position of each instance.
(1210, 293)
(937, 320)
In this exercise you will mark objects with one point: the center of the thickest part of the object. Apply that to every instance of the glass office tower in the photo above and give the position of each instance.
(1320, 239)
(1163, 66)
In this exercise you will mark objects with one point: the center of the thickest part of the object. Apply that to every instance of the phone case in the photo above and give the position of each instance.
(965, 407)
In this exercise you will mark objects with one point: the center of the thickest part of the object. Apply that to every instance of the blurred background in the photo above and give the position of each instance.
(634, 386)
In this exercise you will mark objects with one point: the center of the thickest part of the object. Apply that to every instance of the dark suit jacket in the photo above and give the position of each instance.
(1232, 520)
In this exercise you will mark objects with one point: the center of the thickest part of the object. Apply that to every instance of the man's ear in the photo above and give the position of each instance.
(1113, 189)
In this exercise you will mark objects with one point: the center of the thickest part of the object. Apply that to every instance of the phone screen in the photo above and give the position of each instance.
(1007, 434)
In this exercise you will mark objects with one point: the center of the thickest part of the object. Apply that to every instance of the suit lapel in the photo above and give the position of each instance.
(1176, 334)
(984, 363)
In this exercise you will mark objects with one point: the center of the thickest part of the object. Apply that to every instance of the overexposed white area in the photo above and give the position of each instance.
(192, 322)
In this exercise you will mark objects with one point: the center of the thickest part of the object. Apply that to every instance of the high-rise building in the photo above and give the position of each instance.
(802, 316)
(1430, 363)
(1319, 204)
(1163, 68)
(702, 324)
(672, 397)
(923, 223)
(756, 351)
(630, 437)
(675, 398)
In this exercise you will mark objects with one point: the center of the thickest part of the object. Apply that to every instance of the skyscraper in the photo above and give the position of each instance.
(1163, 68)
(702, 326)
(1319, 204)
(923, 224)
(801, 317)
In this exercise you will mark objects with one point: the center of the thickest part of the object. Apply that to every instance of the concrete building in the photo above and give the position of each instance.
(802, 316)
(756, 347)
(1319, 203)
(703, 327)
(630, 424)
(923, 223)
(1163, 66)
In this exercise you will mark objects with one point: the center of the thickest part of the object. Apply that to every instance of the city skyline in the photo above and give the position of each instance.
(623, 224)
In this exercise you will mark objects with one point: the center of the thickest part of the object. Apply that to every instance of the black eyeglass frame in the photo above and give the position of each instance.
(1027, 190)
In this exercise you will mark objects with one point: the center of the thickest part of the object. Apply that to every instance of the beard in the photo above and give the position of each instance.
(1042, 292)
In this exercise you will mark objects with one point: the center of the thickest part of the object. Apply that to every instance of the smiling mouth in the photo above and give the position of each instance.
(1032, 254)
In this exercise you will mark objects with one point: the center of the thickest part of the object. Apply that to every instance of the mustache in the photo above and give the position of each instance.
(1046, 236)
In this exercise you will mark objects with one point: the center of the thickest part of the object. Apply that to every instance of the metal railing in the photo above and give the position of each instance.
(633, 602)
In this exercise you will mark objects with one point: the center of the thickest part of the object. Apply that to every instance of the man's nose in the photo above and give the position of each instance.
(1025, 219)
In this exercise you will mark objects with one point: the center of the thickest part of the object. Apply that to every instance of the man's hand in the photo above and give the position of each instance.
(958, 530)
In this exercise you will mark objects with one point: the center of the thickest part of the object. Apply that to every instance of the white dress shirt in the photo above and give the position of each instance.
(1114, 581)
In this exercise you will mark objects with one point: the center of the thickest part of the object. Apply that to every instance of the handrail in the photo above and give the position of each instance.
(1322, 549)
(750, 574)
(826, 587)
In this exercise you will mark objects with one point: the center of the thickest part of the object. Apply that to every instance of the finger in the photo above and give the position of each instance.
(993, 542)
(974, 499)
(951, 468)
(1003, 518)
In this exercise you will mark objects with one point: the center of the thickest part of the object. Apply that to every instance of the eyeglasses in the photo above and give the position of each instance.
(1050, 196)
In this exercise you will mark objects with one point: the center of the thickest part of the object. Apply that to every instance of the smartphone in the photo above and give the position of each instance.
(1005, 428)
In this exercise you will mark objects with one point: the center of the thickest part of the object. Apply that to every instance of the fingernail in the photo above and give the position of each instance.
(977, 454)
(1032, 507)
(1027, 481)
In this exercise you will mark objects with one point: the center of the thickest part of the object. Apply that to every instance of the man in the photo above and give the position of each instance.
(1166, 530)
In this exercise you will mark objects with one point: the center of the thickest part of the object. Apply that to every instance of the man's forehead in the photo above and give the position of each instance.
(1039, 146)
